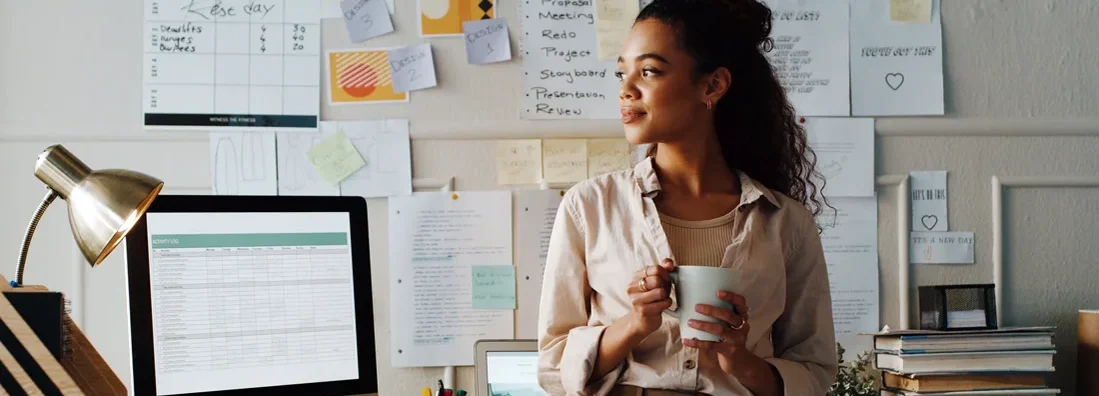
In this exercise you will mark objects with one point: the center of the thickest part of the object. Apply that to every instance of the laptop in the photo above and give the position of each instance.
(507, 368)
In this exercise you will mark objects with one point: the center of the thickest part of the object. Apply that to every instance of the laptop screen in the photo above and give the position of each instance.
(513, 373)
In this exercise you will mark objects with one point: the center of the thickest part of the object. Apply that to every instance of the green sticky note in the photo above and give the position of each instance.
(493, 287)
(335, 158)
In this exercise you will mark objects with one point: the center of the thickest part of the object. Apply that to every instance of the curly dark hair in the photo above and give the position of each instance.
(756, 125)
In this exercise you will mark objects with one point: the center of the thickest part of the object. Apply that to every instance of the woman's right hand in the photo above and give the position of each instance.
(649, 296)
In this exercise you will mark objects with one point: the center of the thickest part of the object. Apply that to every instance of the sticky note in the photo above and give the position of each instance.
(366, 19)
(564, 160)
(613, 20)
(413, 68)
(493, 286)
(335, 158)
(607, 155)
(487, 41)
(912, 11)
(941, 248)
(519, 161)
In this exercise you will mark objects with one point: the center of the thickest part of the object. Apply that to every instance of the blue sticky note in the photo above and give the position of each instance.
(493, 287)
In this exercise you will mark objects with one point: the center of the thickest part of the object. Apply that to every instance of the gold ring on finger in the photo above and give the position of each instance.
(641, 285)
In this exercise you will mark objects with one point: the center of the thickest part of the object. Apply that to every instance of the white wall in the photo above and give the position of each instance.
(1022, 100)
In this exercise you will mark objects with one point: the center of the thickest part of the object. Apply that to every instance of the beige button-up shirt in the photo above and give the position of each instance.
(608, 228)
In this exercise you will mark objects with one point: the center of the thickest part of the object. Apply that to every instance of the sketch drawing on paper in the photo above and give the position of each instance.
(243, 163)
(298, 173)
(385, 148)
(894, 80)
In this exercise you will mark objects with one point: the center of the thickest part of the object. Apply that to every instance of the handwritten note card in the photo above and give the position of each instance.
(896, 68)
(845, 154)
(613, 20)
(941, 248)
(366, 19)
(929, 209)
(335, 158)
(916, 11)
(386, 150)
(413, 68)
(487, 41)
(565, 160)
(607, 155)
(231, 65)
(296, 174)
(562, 75)
(493, 286)
(810, 55)
(519, 161)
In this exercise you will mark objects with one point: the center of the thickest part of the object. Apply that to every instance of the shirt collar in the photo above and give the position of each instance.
(750, 189)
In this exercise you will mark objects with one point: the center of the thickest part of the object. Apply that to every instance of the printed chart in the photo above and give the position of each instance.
(231, 64)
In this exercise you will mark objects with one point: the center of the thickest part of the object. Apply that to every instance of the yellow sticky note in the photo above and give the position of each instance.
(613, 20)
(335, 158)
(565, 160)
(519, 161)
(607, 155)
(913, 11)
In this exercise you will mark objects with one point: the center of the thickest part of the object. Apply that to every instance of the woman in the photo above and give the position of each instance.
(727, 183)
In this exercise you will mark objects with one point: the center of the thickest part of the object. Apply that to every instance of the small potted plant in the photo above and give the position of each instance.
(854, 378)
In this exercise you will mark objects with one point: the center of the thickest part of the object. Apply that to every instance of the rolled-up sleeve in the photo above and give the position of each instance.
(804, 337)
(568, 345)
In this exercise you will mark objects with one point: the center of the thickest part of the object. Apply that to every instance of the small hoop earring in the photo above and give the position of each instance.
(709, 105)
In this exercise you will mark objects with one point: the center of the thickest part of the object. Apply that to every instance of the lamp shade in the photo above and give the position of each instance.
(103, 204)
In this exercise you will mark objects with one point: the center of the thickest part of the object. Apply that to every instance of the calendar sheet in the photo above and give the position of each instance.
(232, 64)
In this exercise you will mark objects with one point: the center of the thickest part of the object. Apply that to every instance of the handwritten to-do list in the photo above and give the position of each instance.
(231, 64)
(810, 55)
(562, 75)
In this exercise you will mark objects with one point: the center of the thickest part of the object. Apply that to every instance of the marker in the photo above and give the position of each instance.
(426, 391)
(461, 392)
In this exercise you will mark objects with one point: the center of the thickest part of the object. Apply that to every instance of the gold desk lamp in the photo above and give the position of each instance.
(103, 206)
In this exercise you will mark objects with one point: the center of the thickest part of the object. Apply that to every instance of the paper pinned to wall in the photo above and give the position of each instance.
(413, 68)
(845, 154)
(487, 41)
(445, 17)
(434, 241)
(493, 286)
(360, 76)
(613, 20)
(896, 68)
(929, 200)
(243, 163)
(335, 158)
(914, 11)
(366, 19)
(297, 176)
(941, 248)
(386, 151)
(562, 75)
(564, 160)
(607, 155)
(810, 55)
(518, 161)
(535, 211)
(850, 242)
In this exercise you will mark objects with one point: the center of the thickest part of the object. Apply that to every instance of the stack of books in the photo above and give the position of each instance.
(1010, 361)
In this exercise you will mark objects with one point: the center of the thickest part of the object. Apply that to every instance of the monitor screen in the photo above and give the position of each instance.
(513, 373)
(245, 300)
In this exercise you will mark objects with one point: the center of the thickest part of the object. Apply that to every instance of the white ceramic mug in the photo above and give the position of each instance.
(699, 285)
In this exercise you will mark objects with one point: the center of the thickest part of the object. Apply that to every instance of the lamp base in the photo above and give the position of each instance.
(82, 372)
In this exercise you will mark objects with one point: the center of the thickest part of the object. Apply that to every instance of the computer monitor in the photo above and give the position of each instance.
(234, 295)
(507, 368)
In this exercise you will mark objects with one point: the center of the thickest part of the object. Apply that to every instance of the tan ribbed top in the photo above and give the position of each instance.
(702, 242)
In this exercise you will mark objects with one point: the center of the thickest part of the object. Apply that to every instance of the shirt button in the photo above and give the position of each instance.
(689, 365)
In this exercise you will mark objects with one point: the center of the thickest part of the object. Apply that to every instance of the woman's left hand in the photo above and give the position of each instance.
(732, 329)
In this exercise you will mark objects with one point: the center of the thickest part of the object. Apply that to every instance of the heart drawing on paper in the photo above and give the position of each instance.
(894, 80)
(934, 220)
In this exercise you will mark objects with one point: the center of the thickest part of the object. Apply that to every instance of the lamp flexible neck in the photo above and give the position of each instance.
(46, 201)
